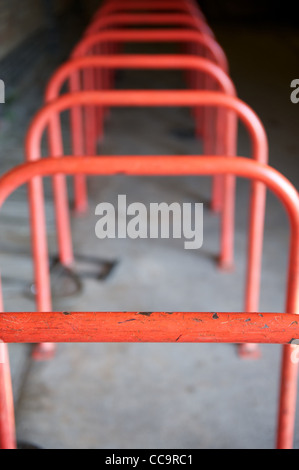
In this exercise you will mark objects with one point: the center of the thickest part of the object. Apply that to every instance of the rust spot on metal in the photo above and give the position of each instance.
(147, 314)
(66, 313)
(131, 319)
(215, 316)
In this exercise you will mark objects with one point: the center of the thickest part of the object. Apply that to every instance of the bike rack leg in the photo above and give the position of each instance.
(226, 259)
(249, 351)
(7, 415)
(40, 252)
(288, 395)
(78, 147)
(43, 351)
(7, 422)
(255, 250)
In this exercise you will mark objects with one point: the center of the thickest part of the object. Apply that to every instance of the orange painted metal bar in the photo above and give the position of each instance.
(70, 70)
(287, 398)
(86, 44)
(153, 327)
(171, 165)
(119, 6)
(7, 422)
(142, 19)
(174, 61)
(187, 7)
(174, 165)
(163, 165)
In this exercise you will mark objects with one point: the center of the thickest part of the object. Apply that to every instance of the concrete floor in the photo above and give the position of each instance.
(156, 395)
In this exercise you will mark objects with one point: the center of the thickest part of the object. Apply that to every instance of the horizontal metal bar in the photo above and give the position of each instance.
(156, 327)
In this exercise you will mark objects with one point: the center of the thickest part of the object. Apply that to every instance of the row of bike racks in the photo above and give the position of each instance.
(89, 77)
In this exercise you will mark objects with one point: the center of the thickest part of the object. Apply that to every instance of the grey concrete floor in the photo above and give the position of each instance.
(156, 395)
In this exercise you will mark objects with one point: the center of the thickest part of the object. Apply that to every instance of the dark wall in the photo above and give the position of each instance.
(250, 10)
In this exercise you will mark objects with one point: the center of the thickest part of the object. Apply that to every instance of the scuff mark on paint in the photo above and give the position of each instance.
(131, 319)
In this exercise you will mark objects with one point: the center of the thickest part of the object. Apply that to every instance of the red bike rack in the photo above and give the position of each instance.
(159, 326)
(189, 17)
(131, 5)
(100, 80)
(199, 41)
(205, 45)
(48, 119)
(91, 67)
(199, 44)
(123, 20)
(214, 141)
(142, 19)
(189, 8)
